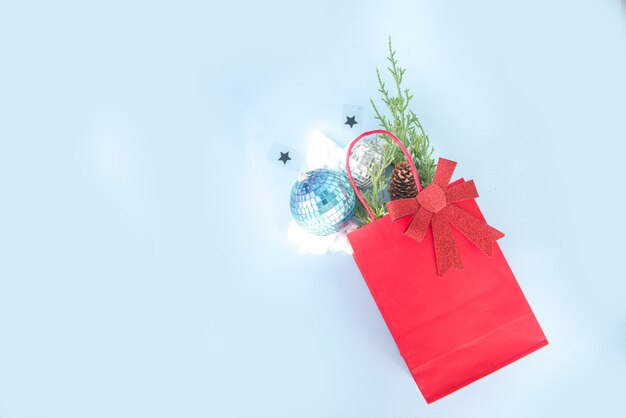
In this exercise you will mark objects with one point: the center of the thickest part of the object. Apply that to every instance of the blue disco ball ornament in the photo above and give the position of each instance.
(322, 201)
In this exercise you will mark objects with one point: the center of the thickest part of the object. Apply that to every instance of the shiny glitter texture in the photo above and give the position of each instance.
(434, 207)
(366, 153)
(322, 201)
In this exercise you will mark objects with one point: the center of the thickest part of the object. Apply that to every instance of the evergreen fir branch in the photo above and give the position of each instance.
(406, 126)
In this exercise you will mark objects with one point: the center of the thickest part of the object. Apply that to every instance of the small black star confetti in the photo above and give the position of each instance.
(351, 120)
(284, 157)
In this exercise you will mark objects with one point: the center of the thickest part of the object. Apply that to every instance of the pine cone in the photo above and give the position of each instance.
(401, 183)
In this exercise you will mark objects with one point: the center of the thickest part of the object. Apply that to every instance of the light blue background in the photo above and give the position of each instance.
(144, 265)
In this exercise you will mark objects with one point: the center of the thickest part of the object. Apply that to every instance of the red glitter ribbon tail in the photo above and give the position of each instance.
(419, 225)
(446, 252)
(474, 229)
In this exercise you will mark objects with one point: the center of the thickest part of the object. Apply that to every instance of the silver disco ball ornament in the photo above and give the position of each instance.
(365, 154)
(322, 201)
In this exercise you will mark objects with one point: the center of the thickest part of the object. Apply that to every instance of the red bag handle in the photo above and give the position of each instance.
(404, 151)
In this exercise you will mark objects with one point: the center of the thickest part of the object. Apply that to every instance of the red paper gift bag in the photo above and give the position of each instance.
(442, 284)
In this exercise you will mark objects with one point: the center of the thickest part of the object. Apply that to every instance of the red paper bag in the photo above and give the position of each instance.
(455, 313)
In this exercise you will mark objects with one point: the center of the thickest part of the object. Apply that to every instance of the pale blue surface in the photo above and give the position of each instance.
(144, 265)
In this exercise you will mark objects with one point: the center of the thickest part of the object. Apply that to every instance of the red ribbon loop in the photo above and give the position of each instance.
(435, 206)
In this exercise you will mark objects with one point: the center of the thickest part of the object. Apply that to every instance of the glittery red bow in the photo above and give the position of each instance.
(435, 206)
